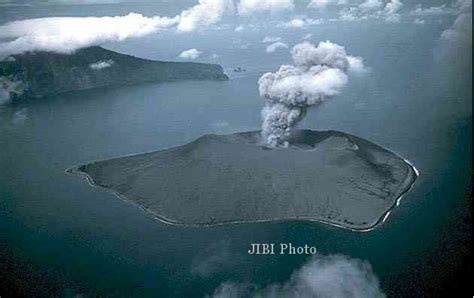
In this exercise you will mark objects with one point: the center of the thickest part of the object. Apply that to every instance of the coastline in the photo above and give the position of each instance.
(407, 185)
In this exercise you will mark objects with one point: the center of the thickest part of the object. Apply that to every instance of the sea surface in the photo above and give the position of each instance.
(59, 236)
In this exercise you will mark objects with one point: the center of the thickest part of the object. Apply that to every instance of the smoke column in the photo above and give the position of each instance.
(318, 73)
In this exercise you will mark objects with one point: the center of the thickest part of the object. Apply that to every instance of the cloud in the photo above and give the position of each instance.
(319, 72)
(101, 64)
(419, 22)
(233, 290)
(271, 39)
(392, 7)
(393, 18)
(307, 36)
(319, 4)
(57, 2)
(295, 23)
(301, 23)
(9, 59)
(461, 30)
(67, 34)
(322, 277)
(239, 28)
(275, 46)
(82, 2)
(356, 65)
(433, 10)
(247, 7)
(190, 54)
(206, 13)
(371, 5)
(373, 9)
(322, 4)
(350, 14)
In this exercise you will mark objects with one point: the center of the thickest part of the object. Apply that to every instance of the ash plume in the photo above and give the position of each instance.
(318, 72)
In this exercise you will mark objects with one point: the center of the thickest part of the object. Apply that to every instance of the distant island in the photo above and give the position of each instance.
(40, 74)
(239, 69)
(325, 176)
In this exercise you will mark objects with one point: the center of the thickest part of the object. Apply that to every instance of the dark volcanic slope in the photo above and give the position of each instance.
(41, 74)
(330, 177)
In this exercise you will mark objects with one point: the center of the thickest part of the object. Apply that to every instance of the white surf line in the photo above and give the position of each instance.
(413, 166)
(161, 218)
(399, 199)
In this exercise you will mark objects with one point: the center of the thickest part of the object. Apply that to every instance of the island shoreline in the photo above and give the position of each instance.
(410, 179)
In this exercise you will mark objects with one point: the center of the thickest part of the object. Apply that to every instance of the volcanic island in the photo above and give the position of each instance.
(324, 176)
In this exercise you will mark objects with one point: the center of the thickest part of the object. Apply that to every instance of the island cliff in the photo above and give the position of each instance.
(40, 74)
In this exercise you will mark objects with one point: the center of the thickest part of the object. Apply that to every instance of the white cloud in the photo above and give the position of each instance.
(275, 46)
(322, 277)
(392, 18)
(190, 54)
(101, 64)
(247, 7)
(370, 5)
(318, 4)
(433, 10)
(461, 30)
(349, 14)
(295, 23)
(322, 4)
(67, 34)
(207, 12)
(239, 28)
(271, 39)
(9, 59)
(392, 7)
(233, 290)
(307, 36)
(56, 2)
(419, 22)
(301, 23)
(82, 2)
(373, 9)
(319, 72)
(356, 65)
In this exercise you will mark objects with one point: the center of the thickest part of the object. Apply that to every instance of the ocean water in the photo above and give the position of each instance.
(59, 236)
